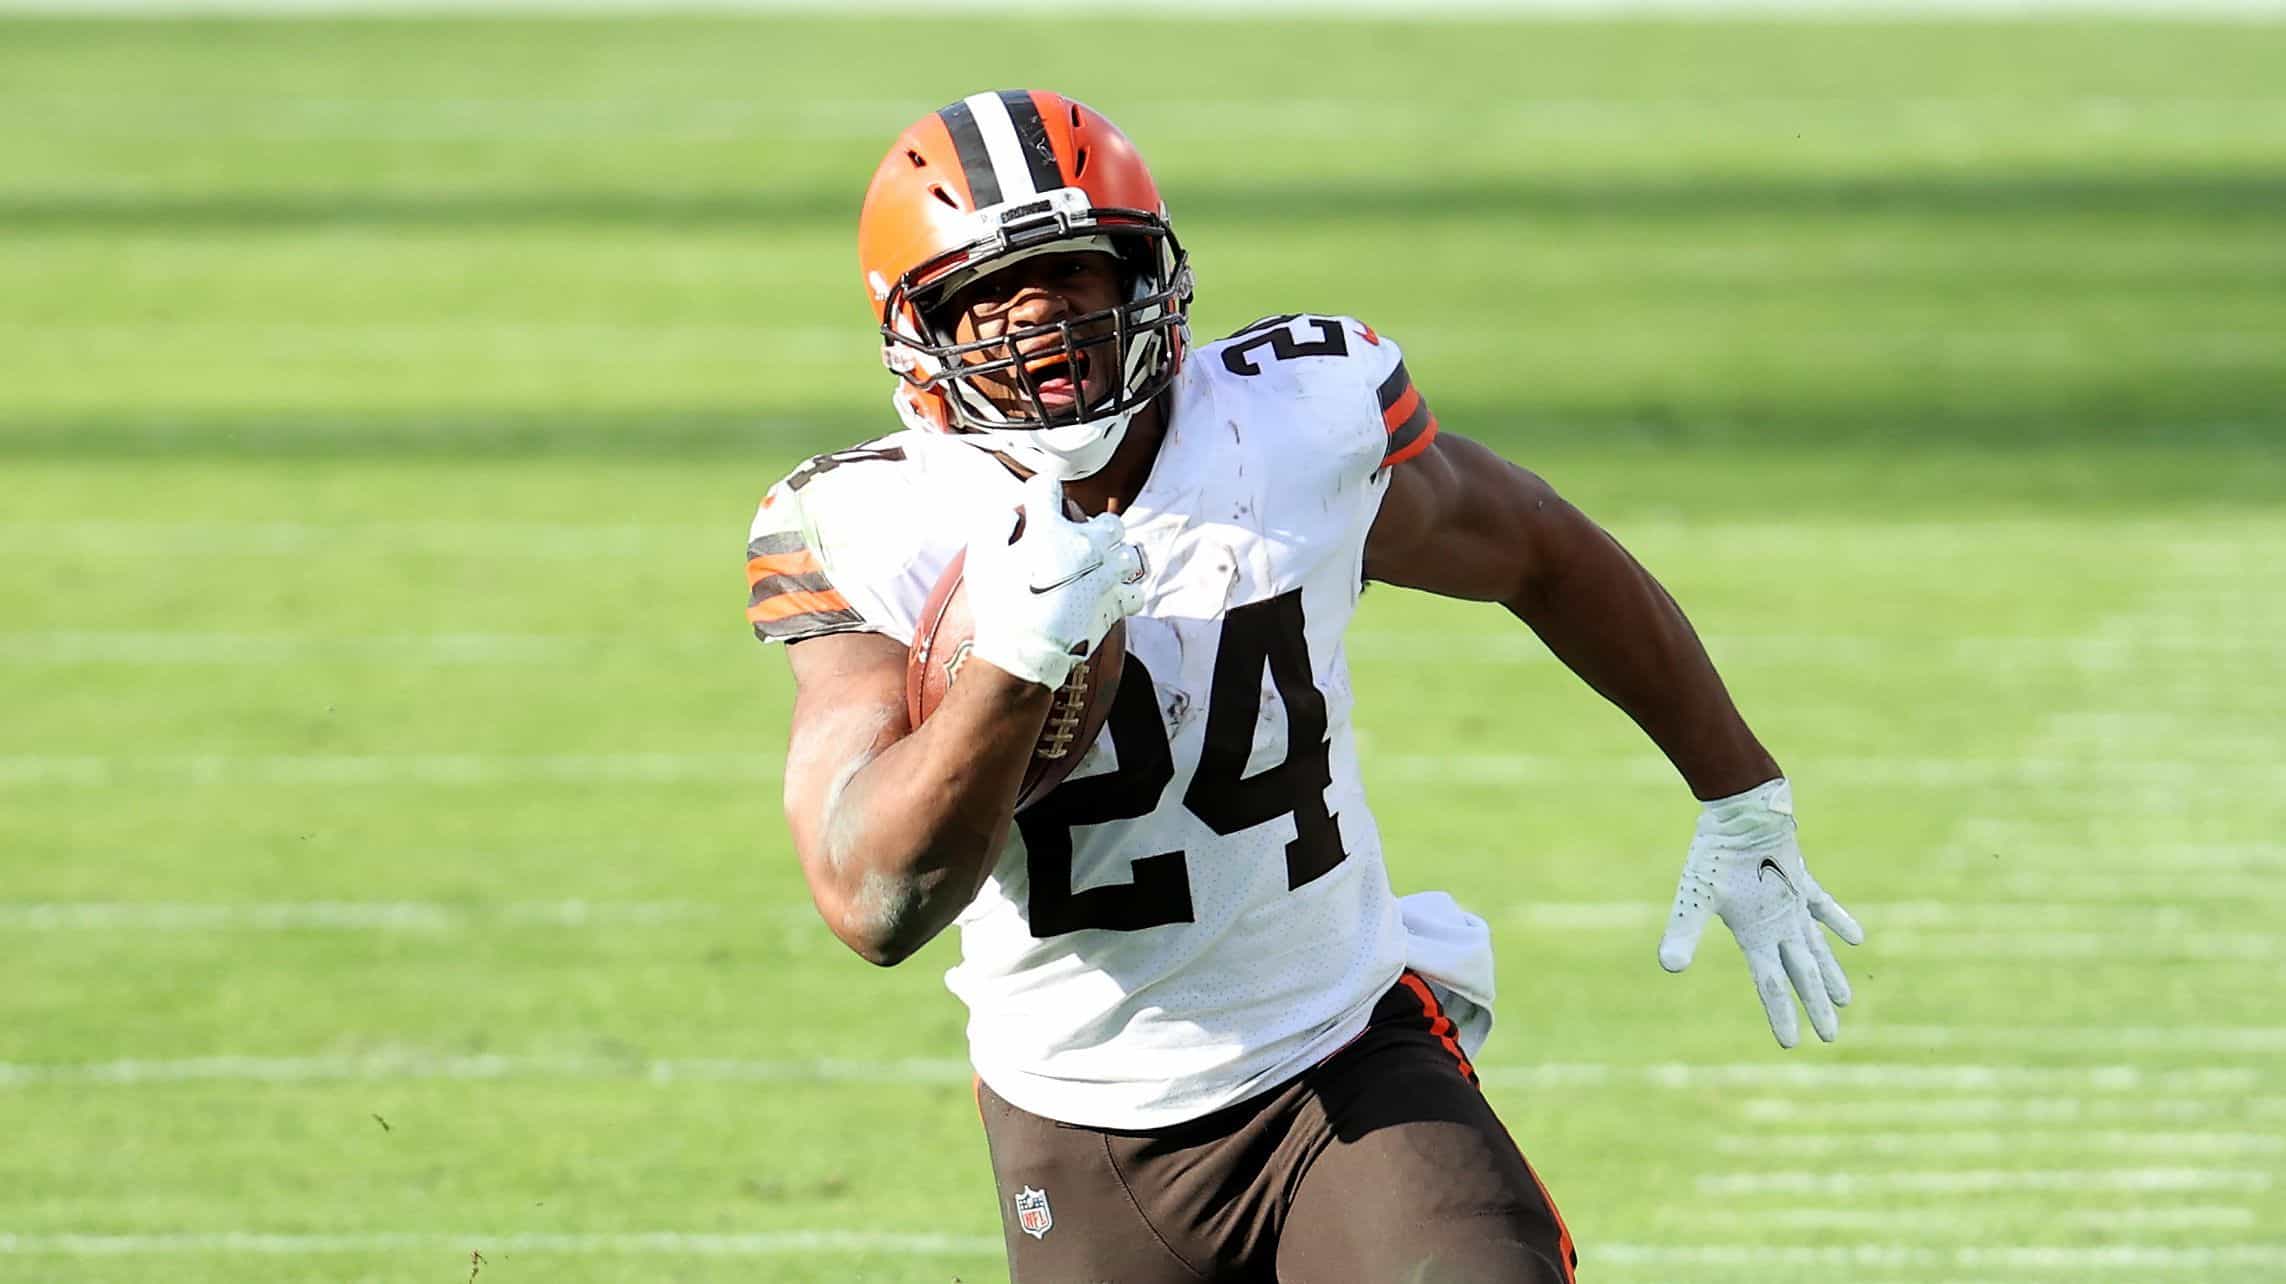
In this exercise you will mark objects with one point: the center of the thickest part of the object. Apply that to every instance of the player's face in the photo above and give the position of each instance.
(1044, 291)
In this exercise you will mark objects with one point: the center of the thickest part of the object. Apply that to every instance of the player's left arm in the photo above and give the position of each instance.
(1460, 521)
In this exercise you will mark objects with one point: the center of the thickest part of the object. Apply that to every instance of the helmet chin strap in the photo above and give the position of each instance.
(1067, 452)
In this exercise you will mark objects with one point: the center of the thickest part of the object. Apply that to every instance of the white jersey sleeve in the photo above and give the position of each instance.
(840, 546)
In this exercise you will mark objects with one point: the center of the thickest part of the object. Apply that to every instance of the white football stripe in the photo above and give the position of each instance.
(1003, 146)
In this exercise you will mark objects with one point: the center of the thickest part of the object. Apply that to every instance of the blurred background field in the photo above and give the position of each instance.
(390, 865)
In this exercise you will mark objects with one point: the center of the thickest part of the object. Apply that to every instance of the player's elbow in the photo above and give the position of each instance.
(884, 920)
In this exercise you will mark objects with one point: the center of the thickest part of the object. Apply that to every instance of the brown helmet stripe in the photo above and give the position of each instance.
(1032, 139)
(975, 161)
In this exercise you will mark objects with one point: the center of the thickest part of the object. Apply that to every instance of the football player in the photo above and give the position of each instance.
(1211, 1043)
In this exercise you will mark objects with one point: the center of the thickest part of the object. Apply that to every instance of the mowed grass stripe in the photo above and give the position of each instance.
(2007, 1111)
(1987, 1181)
(1999, 1257)
(1673, 1076)
(1855, 1146)
(2190, 654)
(2104, 783)
(770, 1244)
(615, 1244)
(1983, 1216)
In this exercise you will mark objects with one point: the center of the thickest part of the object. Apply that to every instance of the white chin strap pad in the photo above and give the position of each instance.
(1066, 452)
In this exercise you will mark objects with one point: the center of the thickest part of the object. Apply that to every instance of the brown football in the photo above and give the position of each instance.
(941, 644)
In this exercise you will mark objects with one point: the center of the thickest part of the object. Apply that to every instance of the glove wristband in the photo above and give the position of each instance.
(1767, 810)
(1033, 660)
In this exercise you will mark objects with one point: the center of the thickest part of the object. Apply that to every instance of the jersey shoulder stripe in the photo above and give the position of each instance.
(788, 595)
(1405, 415)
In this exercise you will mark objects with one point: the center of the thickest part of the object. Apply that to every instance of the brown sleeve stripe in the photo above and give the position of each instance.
(1392, 388)
(785, 606)
(1406, 414)
(809, 625)
(788, 594)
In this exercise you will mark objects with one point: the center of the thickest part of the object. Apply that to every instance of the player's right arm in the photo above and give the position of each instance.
(897, 827)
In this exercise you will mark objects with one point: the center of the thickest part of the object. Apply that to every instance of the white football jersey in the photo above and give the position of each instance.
(1200, 911)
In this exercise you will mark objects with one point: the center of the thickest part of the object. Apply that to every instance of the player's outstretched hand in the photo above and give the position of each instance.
(1043, 599)
(1745, 866)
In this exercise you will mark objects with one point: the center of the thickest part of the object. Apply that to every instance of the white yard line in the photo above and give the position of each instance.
(2190, 1038)
(2090, 947)
(180, 539)
(98, 771)
(2008, 1110)
(681, 1243)
(1312, 10)
(2005, 1259)
(1951, 1220)
(1921, 914)
(1801, 1076)
(1984, 1181)
(135, 1072)
(2106, 783)
(417, 916)
(146, 649)
(2012, 1141)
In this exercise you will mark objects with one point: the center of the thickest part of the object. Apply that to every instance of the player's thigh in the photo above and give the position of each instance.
(1065, 1213)
(1420, 1185)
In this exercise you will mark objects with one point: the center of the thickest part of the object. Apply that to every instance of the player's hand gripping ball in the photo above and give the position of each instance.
(1054, 593)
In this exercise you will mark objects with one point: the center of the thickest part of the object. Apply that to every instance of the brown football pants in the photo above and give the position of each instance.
(1383, 1164)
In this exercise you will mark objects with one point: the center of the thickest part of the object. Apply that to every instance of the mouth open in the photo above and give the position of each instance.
(1058, 378)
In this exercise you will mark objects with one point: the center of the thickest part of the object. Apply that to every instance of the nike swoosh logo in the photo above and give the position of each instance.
(1073, 578)
(1770, 866)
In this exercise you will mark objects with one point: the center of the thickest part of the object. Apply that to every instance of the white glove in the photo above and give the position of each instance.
(1745, 866)
(1044, 600)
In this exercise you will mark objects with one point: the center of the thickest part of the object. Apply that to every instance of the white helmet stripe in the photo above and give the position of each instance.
(1002, 145)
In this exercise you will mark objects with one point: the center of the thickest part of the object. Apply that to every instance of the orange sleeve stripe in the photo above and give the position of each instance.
(1401, 409)
(1414, 447)
(783, 605)
(798, 562)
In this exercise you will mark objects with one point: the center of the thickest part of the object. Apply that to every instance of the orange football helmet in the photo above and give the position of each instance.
(986, 182)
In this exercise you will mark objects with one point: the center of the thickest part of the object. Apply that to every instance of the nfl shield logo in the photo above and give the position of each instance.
(1032, 1215)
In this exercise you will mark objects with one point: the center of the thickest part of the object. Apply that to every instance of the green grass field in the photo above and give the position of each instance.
(390, 861)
